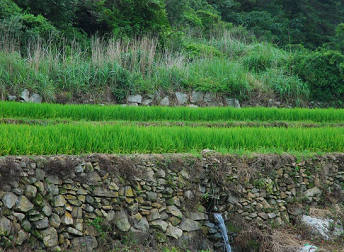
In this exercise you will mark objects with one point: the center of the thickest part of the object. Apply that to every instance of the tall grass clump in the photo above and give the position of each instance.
(221, 76)
(108, 113)
(261, 56)
(16, 73)
(110, 67)
(87, 138)
(232, 42)
(288, 87)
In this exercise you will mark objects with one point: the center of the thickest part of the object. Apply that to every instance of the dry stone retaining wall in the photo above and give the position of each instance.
(61, 202)
(192, 99)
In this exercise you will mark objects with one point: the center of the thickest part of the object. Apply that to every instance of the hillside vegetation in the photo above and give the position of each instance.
(72, 51)
(253, 78)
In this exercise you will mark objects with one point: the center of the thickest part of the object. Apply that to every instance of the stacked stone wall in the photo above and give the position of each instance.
(63, 202)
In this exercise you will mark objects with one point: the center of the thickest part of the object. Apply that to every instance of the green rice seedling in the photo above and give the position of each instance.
(88, 138)
(111, 113)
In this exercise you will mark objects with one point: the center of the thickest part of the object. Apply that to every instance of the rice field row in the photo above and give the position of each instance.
(88, 138)
(184, 114)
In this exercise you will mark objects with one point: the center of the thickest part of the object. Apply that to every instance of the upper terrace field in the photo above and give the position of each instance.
(145, 114)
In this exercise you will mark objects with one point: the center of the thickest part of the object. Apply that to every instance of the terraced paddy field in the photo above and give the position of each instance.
(36, 129)
(30, 130)
(146, 114)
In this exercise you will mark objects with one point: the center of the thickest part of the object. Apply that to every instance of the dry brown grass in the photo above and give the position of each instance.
(61, 166)
(136, 55)
(10, 171)
(334, 211)
(9, 39)
(269, 240)
(288, 238)
(124, 166)
(282, 241)
(319, 213)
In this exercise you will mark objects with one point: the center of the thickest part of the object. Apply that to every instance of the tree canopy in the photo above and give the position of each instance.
(311, 23)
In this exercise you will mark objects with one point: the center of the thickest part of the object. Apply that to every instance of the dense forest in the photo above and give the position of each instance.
(301, 42)
(311, 23)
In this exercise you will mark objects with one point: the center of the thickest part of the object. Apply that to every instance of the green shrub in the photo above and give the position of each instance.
(8, 9)
(131, 17)
(173, 41)
(324, 72)
(204, 20)
(209, 19)
(196, 50)
(37, 26)
(122, 85)
(192, 19)
(26, 27)
(59, 12)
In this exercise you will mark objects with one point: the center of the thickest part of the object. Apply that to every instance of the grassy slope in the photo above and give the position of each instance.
(227, 63)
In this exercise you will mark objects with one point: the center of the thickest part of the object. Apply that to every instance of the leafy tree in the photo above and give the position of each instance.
(308, 22)
(59, 12)
(8, 9)
(36, 26)
(192, 13)
(132, 17)
(23, 25)
(340, 37)
(87, 18)
(311, 23)
(176, 10)
(324, 72)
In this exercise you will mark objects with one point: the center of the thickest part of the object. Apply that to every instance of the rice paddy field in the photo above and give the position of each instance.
(48, 129)
(130, 113)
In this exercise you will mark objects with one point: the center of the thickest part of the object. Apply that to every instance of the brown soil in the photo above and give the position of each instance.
(179, 124)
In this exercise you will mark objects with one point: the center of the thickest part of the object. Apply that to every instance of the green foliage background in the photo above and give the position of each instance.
(292, 48)
(311, 23)
(324, 71)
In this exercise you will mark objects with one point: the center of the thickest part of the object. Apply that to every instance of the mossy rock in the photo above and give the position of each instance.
(6, 243)
(39, 200)
(7, 212)
(160, 237)
(36, 234)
